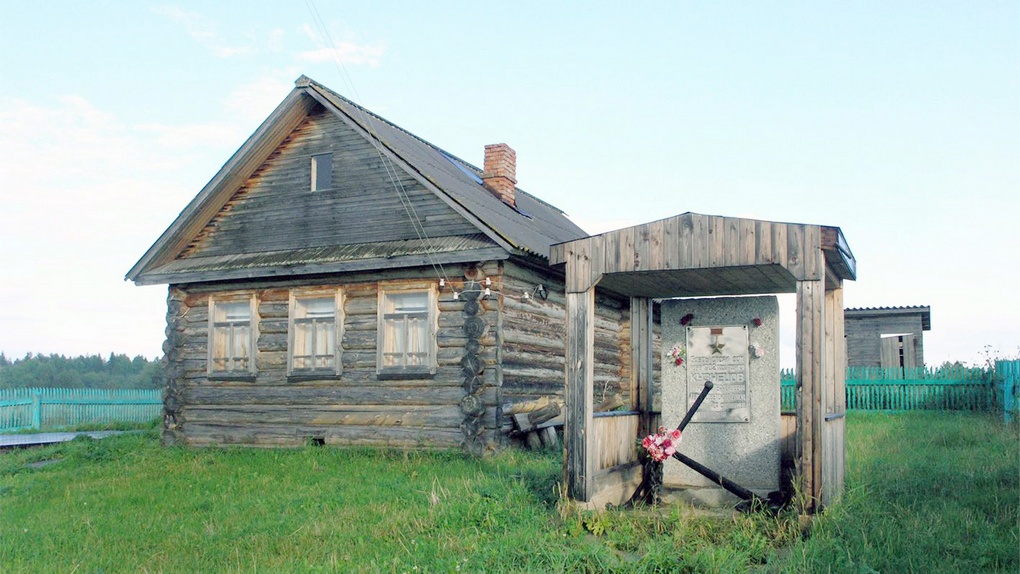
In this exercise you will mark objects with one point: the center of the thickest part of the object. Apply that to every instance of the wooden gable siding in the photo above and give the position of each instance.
(534, 339)
(359, 407)
(864, 342)
(275, 210)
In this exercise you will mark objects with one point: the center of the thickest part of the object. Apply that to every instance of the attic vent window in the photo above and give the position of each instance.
(322, 171)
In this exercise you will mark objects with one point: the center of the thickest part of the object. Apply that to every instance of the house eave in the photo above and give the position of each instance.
(288, 271)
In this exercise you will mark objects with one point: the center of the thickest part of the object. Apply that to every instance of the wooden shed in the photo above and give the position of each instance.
(692, 255)
(886, 337)
(341, 280)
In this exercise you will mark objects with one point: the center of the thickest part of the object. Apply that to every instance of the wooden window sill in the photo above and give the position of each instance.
(232, 377)
(405, 375)
(302, 376)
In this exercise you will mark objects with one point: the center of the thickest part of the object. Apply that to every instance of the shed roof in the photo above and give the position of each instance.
(527, 229)
(873, 312)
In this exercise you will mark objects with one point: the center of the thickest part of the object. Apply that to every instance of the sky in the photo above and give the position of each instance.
(897, 122)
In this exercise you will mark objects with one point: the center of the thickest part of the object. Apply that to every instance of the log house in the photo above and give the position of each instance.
(343, 281)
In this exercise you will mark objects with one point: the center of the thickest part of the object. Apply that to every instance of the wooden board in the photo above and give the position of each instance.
(578, 444)
(833, 461)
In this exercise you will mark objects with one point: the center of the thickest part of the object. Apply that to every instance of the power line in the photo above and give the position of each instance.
(367, 120)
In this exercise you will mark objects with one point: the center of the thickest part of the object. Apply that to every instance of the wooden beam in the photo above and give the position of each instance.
(584, 258)
(579, 458)
(810, 378)
(642, 360)
(834, 400)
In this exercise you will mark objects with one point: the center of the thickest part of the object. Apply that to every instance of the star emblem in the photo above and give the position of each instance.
(716, 347)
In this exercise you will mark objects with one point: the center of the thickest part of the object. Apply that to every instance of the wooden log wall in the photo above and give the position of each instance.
(533, 342)
(359, 407)
(519, 349)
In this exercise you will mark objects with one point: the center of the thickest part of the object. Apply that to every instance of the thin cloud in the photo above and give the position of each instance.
(275, 43)
(344, 52)
(204, 31)
(189, 135)
(255, 100)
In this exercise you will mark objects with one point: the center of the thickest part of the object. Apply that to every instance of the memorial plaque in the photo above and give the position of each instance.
(719, 354)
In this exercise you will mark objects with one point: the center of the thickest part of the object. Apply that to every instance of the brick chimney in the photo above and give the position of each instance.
(500, 172)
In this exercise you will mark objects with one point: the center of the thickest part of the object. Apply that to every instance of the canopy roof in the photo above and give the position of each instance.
(692, 255)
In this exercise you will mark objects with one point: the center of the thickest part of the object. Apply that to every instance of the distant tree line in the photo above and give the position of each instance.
(90, 372)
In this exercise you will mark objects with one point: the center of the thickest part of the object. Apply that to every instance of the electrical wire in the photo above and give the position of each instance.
(374, 138)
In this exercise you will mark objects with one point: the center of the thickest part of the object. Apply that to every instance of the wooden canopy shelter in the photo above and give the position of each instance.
(692, 255)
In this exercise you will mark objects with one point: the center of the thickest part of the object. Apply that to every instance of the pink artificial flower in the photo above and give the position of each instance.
(679, 361)
(661, 445)
(757, 322)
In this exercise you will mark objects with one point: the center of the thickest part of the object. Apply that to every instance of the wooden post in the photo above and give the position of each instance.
(37, 410)
(578, 443)
(642, 359)
(1008, 372)
(810, 378)
(834, 400)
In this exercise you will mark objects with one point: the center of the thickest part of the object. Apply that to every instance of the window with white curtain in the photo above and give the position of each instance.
(231, 336)
(315, 323)
(407, 336)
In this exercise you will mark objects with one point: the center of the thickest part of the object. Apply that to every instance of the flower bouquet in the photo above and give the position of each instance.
(658, 447)
(678, 353)
(661, 445)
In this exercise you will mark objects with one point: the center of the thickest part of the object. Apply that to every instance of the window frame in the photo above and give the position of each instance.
(314, 169)
(338, 332)
(431, 365)
(250, 371)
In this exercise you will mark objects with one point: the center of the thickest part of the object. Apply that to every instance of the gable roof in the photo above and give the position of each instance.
(528, 229)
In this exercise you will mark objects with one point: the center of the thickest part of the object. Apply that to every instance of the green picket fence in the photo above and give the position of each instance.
(877, 389)
(48, 408)
(1007, 380)
(788, 391)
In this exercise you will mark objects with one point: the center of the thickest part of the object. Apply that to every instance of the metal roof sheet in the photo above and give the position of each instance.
(923, 310)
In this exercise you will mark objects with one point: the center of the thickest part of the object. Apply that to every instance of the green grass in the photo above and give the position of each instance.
(104, 426)
(926, 493)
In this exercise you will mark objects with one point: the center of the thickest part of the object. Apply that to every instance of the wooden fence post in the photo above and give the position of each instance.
(37, 409)
(1008, 372)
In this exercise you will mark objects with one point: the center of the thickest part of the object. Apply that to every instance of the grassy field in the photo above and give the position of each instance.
(926, 493)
